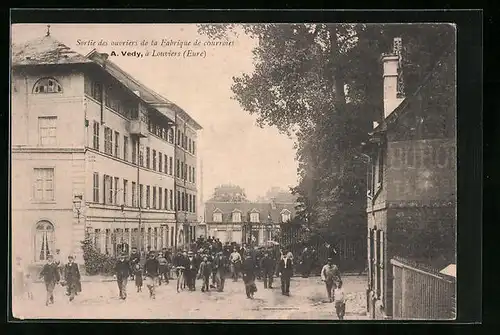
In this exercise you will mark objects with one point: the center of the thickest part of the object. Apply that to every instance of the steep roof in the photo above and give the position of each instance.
(264, 208)
(45, 51)
(48, 51)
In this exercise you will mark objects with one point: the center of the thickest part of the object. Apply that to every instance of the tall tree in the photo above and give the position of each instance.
(323, 82)
(229, 193)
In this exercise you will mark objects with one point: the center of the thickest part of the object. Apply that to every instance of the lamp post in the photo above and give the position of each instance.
(122, 208)
(269, 227)
(77, 205)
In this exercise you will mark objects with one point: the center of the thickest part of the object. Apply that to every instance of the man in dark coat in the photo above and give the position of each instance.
(220, 267)
(191, 271)
(305, 260)
(151, 271)
(267, 266)
(122, 271)
(135, 258)
(285, 271)
(72, 278)
(249, 276)
(204, 273)
(50, 275)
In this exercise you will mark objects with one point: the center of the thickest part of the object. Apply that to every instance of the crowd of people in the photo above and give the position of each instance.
(210, 261)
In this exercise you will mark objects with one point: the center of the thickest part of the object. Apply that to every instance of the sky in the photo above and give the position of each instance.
(233, 149)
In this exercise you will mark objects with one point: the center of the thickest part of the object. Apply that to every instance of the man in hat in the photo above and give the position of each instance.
(204, 273)
(285, 271)
(72, 278)
(122, 271)
(330, 274)
(163, 268)
(191, 271)
(220, 264)
(58, 261)
(134, 259)
(267, 267)
(249, 276)
(151, 271)
(235, 259)
(51, 276)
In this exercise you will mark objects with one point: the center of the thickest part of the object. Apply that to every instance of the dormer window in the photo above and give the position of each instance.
(236, 217)
(47, 85)
(254, 217)
(285, 216)
(217, 217)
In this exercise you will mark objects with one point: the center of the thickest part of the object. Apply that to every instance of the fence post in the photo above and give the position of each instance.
(403, 292)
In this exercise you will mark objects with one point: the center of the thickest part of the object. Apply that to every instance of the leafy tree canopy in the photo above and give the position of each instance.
(323, 83)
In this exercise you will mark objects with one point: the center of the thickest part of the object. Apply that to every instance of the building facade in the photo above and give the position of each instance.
(245, 222)
(411, 203)
(95, 153)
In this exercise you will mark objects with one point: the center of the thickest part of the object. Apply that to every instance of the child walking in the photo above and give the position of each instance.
(339, 300)
(138, 276)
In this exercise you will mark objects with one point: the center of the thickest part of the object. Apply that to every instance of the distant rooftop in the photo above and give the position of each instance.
(45, 51)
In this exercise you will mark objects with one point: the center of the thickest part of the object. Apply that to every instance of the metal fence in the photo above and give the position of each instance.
(422, 293)
(348, 251)
(114, 241)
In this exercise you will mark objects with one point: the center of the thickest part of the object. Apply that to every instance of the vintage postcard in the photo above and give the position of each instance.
(233, 171)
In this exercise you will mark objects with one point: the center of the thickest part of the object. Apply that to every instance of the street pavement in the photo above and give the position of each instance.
(99, 300)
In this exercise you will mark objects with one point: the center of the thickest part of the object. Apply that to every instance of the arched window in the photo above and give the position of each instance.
(47, 85)
(44, 240)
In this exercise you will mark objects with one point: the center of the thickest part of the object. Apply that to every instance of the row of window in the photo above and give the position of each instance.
(254, 217)
(149, 196)
(154, 160)
(107, 240)
(185, 142)
(116, 101)
(113, 98)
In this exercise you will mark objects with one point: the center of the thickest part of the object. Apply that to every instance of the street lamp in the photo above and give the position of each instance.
(77, 205)
(269, 227)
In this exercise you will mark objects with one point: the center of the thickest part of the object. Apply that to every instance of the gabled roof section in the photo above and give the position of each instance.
(236, 210)
(285, 210)
(217, 210)
(45, 51)
(264, 208)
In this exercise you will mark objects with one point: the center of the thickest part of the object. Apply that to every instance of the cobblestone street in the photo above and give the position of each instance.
(100, 300)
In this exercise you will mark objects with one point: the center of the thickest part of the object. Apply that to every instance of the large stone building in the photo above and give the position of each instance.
(242, 222)
(95, 152)
(412, 181)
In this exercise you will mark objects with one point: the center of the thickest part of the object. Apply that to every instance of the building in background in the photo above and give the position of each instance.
(411, 203)
(243, 222)
(96, 153)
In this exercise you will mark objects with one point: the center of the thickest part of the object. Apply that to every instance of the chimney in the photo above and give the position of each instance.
(393, 89)
(273, 203)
